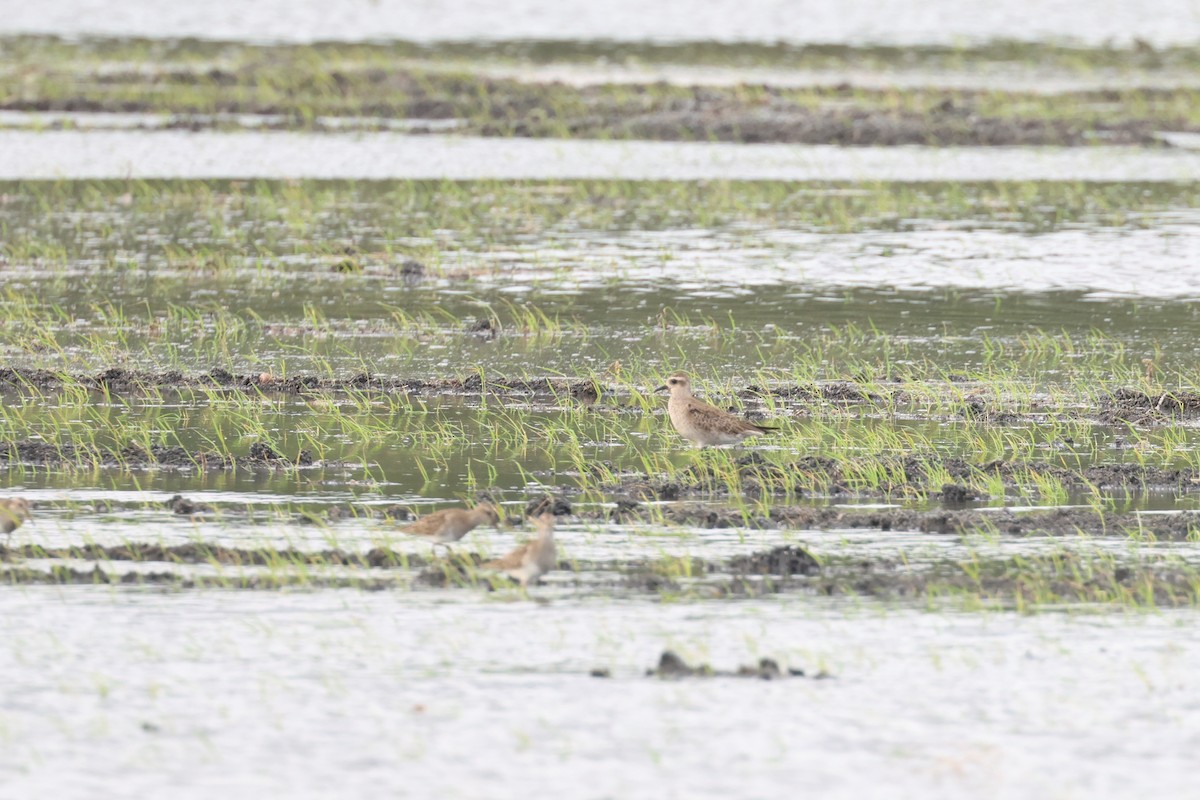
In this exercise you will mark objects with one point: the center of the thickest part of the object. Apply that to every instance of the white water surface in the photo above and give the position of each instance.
(58, 154)
(126, 693)
(1092, 22)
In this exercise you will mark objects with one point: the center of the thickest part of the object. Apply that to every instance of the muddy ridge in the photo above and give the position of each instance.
(119, 379)
(219, 554)
(491, 106)
(1021, 582)
(32, 452)
(904, 475)
(784, 123)
(1049, 521)
(1121, 406)
(1139, 408)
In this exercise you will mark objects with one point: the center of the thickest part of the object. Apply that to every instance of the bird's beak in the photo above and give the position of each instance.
(662, 388)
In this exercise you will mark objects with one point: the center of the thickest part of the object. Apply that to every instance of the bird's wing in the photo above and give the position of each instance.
(428, 525)
(710, 417)
(511, 561)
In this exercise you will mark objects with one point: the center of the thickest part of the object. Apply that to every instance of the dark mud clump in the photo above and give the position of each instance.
(180, 505)
(585, 392)
(485, 328)
(557, 506)
(412, 271)
(786, 561)
(955, 495)
(455, 570)
(672, 667)
(980, 410)
(1140, 408)
(623, 509)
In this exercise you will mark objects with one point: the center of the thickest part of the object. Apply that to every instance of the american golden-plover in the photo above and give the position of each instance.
(532, 560)
(452, 524)
(13, 511)
(702, 423)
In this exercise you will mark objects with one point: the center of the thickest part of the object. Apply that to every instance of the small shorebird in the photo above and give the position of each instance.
(701, 422)
(13, 511)
(452, 524)
(532, 560)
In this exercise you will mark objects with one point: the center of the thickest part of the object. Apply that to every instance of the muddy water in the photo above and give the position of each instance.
(140, 692)
(174, 154)
(856, 21)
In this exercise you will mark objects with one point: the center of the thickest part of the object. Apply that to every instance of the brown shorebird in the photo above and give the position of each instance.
(452, 524)
(532, 560)
(13, 511)
(701, 422)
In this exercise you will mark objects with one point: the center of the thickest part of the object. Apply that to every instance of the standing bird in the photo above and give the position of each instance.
(13, 511)
(452, 524)
(701, 422)
(532, 560)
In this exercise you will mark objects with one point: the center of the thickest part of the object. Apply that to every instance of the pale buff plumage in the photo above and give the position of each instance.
(452, 524)
(702, 423)
(13, 511)
(534, 558)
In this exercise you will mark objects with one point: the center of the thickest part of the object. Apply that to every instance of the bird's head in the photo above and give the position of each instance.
(678, 384)
(489, 511)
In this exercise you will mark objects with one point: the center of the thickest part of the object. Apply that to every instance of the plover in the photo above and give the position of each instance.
(532, 560)
(452, 524)
(13, 511)
(701, 422)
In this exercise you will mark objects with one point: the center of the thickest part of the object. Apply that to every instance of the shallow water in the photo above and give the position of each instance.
(336, 692)
(264, 517)
(124, 691)
(899, 77)
(797, 21)
(174, 154)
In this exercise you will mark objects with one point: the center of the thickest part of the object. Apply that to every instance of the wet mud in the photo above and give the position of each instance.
(944, 125)
(905, 476)
(1051, 521)
(220, 555)
(32, 452)
(1140, 408)
(120, 379)
(1054, 577)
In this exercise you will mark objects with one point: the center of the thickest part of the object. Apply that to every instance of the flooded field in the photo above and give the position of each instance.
(256, 322)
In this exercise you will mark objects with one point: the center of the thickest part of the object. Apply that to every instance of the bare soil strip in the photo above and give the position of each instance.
(1062, 577)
